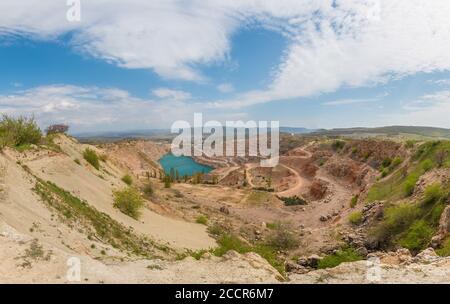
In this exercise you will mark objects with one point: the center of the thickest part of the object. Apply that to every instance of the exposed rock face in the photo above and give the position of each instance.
(318, 189)
(384, 268)
(444, 228)
(435, 176)
(373, 152)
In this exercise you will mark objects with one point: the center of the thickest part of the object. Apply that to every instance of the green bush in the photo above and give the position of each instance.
(201, 219)
(338, 145)
(129, 201)
(396, 162)
(354, 201)
(127, 179)
(386, 162)
(293, 201)
(230, 242)
(396, 220)
(91, 157)
(432, 194)
(409, 187)
(17, 132)
(417, 237)
(341, 256)
(355, 218)
(148, 189)
(427, 165)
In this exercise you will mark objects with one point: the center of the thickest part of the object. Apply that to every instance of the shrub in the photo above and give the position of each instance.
(127, 179)
(417, 237)
(16, 132)
(410, 144)
(355, 218)
(337, 145)
(341, 256)
(148, 189)
(167, 181)
(386, 162)
(77, 161)
(293, 201)
(432, 194)
(91, 157)
(409, 187)
(396, 220)
(427, 165)
(396, 162)
(58, 128)
(201, 219)
(129, 201)
(354, 201)
(282, 237)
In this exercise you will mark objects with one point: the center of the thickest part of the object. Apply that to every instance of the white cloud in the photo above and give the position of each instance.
(104, 109)
(429, 110)
(332, 44)
(340, 102)
(225, 88)
(441, 82)
(88, 108)
(171, 94)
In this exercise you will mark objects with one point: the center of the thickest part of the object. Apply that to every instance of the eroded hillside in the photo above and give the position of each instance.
(329, 201)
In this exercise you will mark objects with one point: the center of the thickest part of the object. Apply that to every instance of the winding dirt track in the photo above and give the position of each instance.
(300, 181)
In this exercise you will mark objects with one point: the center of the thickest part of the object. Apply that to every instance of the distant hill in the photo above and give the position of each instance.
(118, 135)
(295, 130)
(390, 130)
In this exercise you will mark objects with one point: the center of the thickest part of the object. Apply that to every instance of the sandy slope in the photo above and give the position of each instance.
(232, 268)
(96, 188)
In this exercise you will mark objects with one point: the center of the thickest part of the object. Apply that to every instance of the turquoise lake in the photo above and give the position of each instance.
(184, 164)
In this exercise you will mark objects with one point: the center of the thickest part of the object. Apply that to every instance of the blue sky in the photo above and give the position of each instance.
(299, 62)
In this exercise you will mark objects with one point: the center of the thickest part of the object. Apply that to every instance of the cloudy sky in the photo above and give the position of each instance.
(136, 64)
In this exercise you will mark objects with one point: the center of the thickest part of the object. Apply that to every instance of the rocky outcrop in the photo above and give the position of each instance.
(383, 268)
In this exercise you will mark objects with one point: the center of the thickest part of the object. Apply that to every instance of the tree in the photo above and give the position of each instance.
(57, 128)
(172, 174)
(167, 181)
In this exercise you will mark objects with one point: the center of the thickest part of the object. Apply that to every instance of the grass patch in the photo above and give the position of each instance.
(412, 225)
(201, 219)
(129, 201)
(258, 197)
(341, 256)
(91, 157)
(417, 236)
(355, 218)
(281, 239)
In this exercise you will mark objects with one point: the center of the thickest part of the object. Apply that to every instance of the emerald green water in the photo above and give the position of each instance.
(183, 164)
